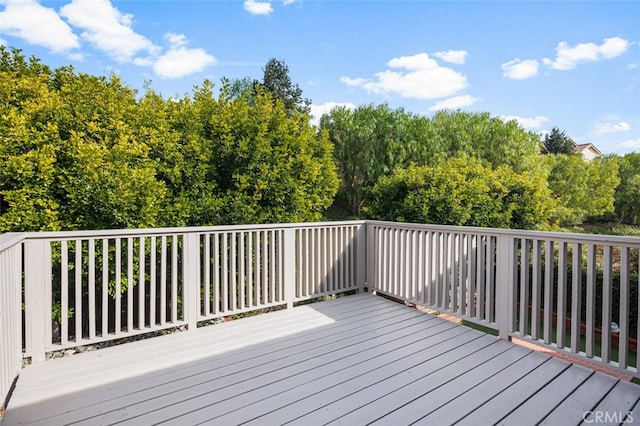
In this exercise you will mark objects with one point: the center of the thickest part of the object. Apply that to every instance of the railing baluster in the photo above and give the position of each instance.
(606, 304)
(548, 291)
(130, 281)
(206, 264)
(142, 284)
(590, 311)
(561, 309)
(233, 276)
(482, 278)
(623, 321)
(216, 279)
(152, 283)
(524, 286)
(272, 266)
(104, 329)
(242, 279)
(225, 272)
(118, 289)
(249, 268)
(77, 285)
(490, 280)
(64, 290)
(92, 288)
(174, 278)
(163, 280)
(576, 298)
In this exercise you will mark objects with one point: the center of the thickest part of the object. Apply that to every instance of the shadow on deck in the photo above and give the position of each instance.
(353, 360)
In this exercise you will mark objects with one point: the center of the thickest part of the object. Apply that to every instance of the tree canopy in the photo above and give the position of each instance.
(582, 189)
(86, 152)
(372, 141)
(557, 142)
(463, 191)
(276, 80)
(627, 197)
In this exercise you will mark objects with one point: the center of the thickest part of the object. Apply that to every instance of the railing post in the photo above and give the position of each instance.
(289, 265)
(504, 285)
(361, 257)
(370, 257)
(191, 277)
(37, 275)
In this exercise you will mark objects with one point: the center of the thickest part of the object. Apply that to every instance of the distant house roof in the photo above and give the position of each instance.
(586, 147)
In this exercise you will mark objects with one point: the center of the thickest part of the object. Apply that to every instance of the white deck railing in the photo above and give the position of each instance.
(575, 293)
(107, 285)
(10, 312)
(86, 287)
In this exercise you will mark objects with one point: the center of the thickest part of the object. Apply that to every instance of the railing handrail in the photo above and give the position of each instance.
(9, 239)
(519, 233)
(52, 235)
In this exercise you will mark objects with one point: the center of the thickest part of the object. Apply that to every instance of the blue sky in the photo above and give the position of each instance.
(574, 65)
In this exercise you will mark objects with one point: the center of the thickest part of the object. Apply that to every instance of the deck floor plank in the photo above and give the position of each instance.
(244, 379)
(459, 407)
(549, 398)
(351, 360)
(621, 399)
(574, 407)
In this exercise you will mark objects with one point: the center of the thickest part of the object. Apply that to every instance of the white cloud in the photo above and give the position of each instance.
(38, 25)
(567, 57)
(180, 61)
(107, 29)
(317, 111)
(288, 2)
(454, 103)
(527, 122)
(604, 128)
(453, 56)
(354, 82)
(518, 69)
(631, 143)
(258, 7)
(418, 77)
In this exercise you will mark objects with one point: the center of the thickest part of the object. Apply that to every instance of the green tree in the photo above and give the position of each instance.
(276, 80)
(241, 86)
(557, 142)
(490, 139)
(627, 197)
(246, 160)
(73, 154)
(369, 142)
(463, 191)
(582, 189)
(28, 145)
(106, 176)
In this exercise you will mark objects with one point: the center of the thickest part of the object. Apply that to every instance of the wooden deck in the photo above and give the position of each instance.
(352, 361)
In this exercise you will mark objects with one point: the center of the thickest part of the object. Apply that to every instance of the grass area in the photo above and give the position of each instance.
(597, 346)
(482, 328)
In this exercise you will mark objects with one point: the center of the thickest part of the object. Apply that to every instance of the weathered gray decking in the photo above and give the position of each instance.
(353, 360)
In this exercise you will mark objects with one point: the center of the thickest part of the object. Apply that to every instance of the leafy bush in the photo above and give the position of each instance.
(463, 191)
